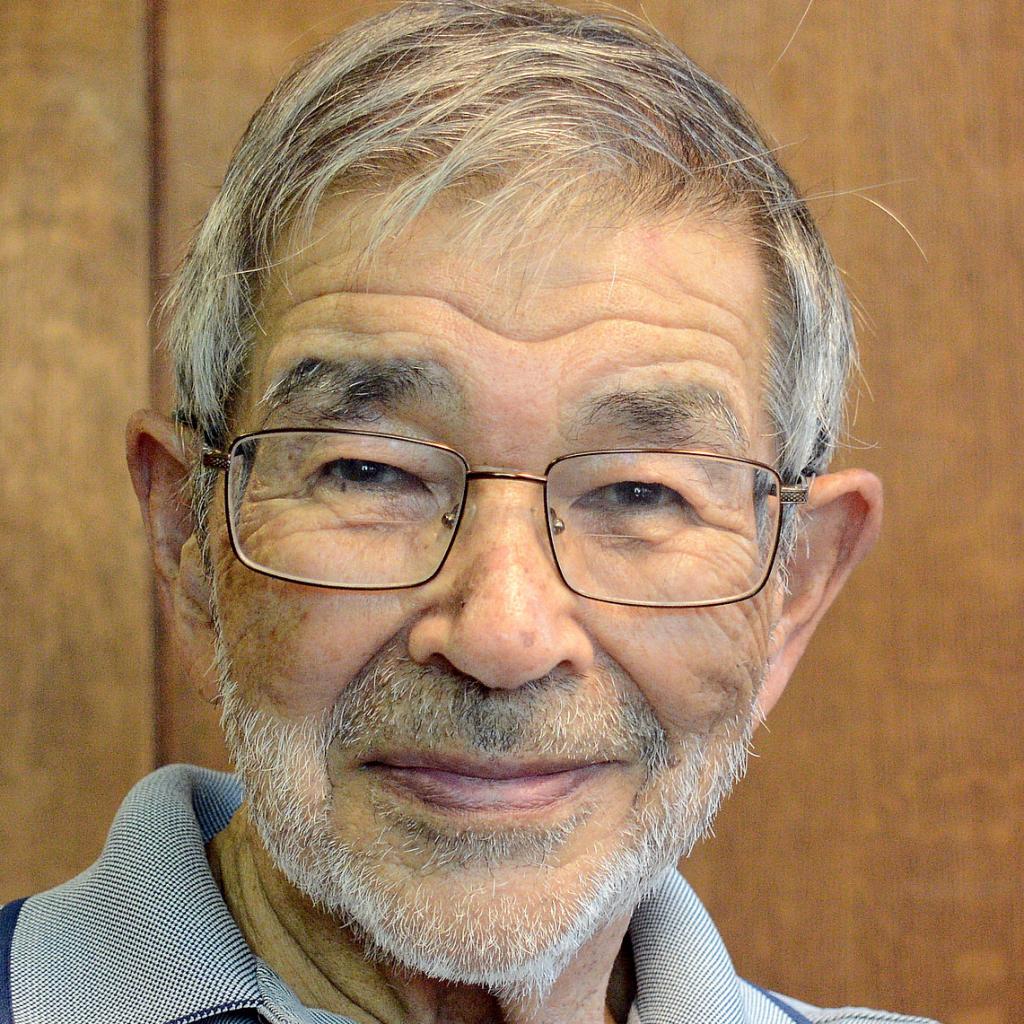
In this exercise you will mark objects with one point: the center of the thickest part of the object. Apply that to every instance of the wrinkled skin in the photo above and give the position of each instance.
(528, 339)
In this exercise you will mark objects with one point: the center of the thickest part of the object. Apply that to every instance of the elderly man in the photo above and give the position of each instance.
(495, 510)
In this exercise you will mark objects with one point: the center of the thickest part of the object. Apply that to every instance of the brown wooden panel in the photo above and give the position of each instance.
(872, 854)
(76, 708)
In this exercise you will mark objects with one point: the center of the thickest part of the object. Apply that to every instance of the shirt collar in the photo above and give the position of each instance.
(144, 935)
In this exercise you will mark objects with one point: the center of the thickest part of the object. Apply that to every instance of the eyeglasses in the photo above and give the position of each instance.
(357, 510)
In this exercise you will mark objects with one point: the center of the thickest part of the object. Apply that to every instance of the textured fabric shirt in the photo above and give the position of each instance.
(144, 937)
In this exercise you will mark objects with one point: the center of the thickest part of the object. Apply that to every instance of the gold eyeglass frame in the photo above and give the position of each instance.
(788, 494)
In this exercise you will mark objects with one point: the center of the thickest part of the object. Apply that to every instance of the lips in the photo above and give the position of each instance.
(459, 784)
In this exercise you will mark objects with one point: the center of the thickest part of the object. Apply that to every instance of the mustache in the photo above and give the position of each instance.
(394, 703)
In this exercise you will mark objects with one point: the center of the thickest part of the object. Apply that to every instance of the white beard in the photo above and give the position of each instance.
(433, 923)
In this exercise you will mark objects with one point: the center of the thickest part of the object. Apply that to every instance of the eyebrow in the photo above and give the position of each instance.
(322, 390)
(671, 416)
(319, 390)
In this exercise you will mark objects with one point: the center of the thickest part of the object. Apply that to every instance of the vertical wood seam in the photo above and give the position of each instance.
(154, 22)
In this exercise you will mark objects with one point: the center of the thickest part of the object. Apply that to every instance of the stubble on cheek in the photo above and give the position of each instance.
(701, 671)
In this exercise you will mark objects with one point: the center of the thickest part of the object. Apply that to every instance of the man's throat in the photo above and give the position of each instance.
(313, 953)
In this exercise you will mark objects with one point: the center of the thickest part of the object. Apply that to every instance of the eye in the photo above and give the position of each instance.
(367, 474)
(632, 495)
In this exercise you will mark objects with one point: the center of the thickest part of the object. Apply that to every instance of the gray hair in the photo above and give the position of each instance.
(530, 107)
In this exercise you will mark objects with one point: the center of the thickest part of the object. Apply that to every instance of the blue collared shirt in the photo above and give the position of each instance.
(144, 937)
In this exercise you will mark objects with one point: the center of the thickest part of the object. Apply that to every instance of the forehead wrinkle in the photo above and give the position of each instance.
(355, 316)
(510, 321)
(545, 309)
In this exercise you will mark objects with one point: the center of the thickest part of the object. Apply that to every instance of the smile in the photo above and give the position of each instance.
(501, 786)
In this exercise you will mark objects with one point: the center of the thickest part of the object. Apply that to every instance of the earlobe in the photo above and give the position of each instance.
(839, 526)
(159, 467)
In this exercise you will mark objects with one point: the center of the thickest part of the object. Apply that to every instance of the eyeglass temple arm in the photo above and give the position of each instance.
(215, 459)
(795, 494)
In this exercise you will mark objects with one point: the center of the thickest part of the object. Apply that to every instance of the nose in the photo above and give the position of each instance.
(498, 611)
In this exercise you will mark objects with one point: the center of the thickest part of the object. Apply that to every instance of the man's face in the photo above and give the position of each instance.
(483, 769)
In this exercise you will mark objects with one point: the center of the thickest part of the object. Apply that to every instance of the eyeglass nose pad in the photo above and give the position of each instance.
(557, 526)
(449, 519)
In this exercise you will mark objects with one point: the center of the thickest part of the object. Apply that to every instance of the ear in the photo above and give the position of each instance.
(839, 526)
(159, 466)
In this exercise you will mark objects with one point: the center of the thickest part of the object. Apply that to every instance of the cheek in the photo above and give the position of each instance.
(294, 649)
(695, 667)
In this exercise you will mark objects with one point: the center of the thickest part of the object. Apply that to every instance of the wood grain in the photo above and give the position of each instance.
(872, 856)
(76, 709)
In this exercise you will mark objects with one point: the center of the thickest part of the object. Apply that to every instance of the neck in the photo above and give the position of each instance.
(325, 964)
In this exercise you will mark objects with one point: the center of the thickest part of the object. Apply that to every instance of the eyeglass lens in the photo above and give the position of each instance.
(368, 511)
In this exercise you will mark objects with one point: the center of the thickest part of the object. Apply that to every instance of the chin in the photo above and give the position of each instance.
(509, 928)
(505, 909)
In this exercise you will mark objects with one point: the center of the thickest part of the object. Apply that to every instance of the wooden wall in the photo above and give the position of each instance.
(873, 854)
(77, 699)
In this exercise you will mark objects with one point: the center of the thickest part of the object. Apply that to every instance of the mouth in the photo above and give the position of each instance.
(466, 785)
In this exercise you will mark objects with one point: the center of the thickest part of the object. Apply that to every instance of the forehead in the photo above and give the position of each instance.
(579, 310)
